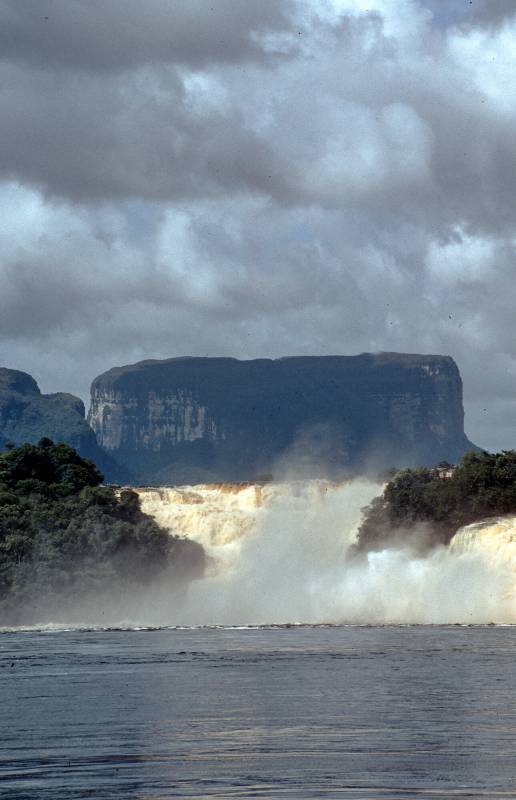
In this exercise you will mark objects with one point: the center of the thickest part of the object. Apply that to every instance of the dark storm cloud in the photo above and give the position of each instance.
(100, 35)
(81, 134)
(328, 176)
(136, 137)
(418, 138)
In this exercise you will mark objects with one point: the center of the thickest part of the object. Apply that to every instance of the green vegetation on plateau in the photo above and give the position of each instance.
(64, 535)
(422, 509)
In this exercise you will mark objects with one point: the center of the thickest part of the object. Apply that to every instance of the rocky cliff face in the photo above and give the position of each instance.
(26, 415)
(198, 419)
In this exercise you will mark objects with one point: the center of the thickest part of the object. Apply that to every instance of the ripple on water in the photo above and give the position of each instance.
(259, 711)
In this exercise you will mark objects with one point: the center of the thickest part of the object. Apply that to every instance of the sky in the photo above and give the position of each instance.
(260, 178)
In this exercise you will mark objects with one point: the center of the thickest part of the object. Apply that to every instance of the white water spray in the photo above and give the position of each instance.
(279, 555)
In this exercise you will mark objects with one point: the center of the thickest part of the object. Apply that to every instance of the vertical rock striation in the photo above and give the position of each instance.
(187, 420)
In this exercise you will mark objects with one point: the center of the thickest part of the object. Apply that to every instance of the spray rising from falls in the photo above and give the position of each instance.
(279, 554)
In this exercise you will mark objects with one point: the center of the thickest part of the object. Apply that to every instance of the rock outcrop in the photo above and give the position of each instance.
(26, 415)
(188, 420)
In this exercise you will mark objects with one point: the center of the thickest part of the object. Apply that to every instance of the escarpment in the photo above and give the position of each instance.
(26, 415)
(187, 420)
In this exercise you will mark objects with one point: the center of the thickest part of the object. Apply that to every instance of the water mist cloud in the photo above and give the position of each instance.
(284, 557)
(283, 554)
(295, 569)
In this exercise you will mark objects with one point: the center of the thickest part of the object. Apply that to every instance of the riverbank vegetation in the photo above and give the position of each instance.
(422, 508)
(63, 535)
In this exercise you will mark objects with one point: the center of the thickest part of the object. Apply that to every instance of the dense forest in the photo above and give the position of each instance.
(63, 535)
(422, 508)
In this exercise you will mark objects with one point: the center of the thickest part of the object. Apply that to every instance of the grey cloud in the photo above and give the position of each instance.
(355, 120)
(256, 290)
(130, 139)
(493, 11)
(357, 195)
(100, 35)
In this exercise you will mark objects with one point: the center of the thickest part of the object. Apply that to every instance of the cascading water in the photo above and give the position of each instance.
(493, 539)
(278, 554)
(225, 517)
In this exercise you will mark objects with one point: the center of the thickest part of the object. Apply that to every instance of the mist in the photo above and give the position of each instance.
(295, 569)
(282, 554)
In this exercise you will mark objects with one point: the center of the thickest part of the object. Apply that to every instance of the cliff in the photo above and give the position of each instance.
(26, 415)
(187, 420)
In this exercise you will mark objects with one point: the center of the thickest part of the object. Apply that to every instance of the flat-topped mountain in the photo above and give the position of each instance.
(196, 419)
(26, 415)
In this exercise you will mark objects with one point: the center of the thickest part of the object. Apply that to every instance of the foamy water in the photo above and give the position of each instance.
(279, 554)
(224, 517)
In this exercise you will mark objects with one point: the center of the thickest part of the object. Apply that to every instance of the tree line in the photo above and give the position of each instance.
(422, 509)
(63, 534)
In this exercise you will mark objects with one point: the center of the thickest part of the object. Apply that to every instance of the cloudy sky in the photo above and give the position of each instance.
(260, 178)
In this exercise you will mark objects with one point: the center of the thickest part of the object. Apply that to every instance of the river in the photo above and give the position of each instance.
(295, 711)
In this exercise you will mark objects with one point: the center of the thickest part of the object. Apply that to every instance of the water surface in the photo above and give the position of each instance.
(300, 712)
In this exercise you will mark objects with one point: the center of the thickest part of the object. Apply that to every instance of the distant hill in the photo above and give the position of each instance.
(199, 419)
(26, 415)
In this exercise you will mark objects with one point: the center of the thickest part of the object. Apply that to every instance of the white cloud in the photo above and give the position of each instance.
(487, 58)
(462, 259)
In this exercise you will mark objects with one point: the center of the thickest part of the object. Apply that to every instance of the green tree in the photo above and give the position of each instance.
(482, 485)
(62, 532)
